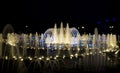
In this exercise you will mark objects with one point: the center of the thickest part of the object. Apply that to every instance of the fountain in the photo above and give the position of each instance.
(54, 45)
(58, 39)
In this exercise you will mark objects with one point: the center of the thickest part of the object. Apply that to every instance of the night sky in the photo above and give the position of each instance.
(40, 15)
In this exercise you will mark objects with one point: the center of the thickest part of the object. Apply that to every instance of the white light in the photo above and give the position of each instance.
(50, 56)
(76, 55)
(56, 55)
(108, 58)
(87, 53)
(40, 58)
(14, 57)
(26, 26)
(100, 52)
(63, 56)
(112, 26)
(6, 57)
(55, 48)
(35, 57)
(107, 50)
(55, 58)
(47, 58)
(30, 58)
(109, 26)
(78, 49)
(21, 59)
(90, 52)
(83, 27)
(71, 55)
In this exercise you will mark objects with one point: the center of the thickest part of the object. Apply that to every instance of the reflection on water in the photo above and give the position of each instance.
(85, 63)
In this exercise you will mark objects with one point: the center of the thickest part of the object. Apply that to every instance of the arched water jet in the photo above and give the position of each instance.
(7, 29)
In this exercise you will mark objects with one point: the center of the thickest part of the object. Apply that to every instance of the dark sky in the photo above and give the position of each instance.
(39, 15)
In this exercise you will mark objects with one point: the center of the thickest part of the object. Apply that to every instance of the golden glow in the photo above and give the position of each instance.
(12, 39)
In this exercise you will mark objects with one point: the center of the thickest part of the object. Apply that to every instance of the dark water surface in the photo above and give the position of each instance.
(97, 63)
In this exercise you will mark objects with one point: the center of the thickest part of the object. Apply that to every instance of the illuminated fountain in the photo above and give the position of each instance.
(54, 45)
(56, 40)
